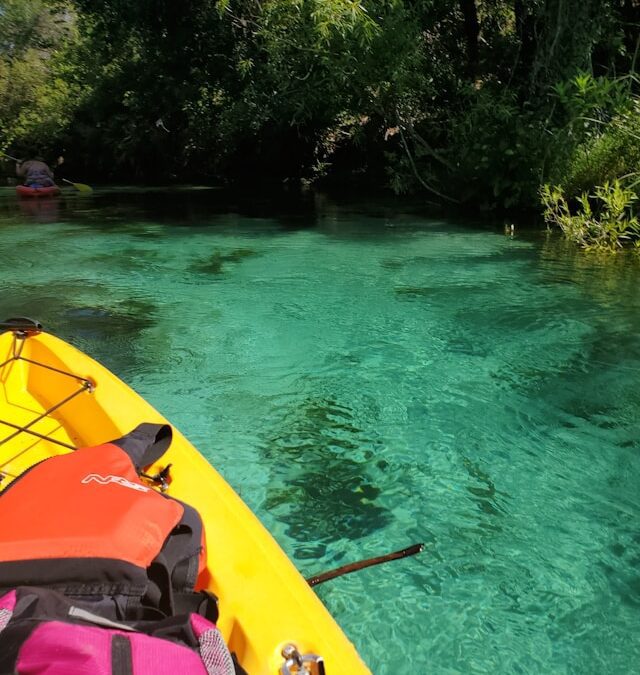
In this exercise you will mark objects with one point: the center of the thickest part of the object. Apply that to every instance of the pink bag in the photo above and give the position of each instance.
(44, 633)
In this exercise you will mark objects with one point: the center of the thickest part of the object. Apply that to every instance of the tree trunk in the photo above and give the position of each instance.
(525, 26)
(471, 32)
(630, 17)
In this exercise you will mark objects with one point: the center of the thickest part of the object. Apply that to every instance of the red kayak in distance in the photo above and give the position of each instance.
(26, 191)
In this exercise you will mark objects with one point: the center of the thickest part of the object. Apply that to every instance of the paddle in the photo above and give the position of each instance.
(80, 187)
(354, 567)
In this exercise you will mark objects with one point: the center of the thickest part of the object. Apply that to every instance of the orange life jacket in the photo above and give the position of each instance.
(86, 524)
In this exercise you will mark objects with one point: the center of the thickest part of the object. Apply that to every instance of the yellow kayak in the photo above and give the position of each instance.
(54, 399)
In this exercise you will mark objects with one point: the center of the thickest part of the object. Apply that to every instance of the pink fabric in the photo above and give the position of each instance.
(56, 648)
(8, 601)
(200, 625)
(152, 656)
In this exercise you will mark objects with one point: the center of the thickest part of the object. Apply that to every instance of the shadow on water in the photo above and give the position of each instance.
(86, 315)
(328, 496)
(146, 212)
(131, 210)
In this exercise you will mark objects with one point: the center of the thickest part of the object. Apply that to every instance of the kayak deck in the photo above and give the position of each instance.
(54, 398)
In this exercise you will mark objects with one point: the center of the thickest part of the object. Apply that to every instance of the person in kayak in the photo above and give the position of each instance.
(35, 172)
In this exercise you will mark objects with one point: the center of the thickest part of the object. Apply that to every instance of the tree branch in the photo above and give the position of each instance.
(422, 182)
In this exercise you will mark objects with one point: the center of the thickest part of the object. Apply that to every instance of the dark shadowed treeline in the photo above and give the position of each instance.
(474, 102)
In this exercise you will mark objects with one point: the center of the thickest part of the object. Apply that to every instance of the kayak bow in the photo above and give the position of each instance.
(54, 399)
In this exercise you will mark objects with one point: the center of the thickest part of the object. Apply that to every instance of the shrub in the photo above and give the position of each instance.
(603, 220)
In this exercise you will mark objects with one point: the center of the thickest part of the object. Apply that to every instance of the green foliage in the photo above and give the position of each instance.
(37, 96)
(498, 149)
(25, 26)
(235, 82)
(298, 64)
(305, 67)
(599, 156)
(491, 141)
(610, 151)
(475, 102)
(589, 100)
(603, 221)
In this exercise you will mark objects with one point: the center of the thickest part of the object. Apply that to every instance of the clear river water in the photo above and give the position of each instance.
(366, 378)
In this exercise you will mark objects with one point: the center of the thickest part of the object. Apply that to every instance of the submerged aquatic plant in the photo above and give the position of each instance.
(328, 494)
(215, 263)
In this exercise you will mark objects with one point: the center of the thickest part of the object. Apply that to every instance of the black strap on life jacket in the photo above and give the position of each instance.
(146, 444)
(174, 572)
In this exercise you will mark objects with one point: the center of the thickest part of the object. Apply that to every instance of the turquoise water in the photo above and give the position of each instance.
(367, 378)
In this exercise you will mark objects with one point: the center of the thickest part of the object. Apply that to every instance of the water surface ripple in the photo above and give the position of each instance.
(367, 380)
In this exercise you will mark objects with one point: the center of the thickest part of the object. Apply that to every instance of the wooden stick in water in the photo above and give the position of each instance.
(354, 567)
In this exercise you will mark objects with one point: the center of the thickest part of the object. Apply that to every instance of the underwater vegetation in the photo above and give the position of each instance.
(328, 495)
(215, 263)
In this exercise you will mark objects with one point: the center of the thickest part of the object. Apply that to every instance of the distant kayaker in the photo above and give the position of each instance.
(35, 172)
